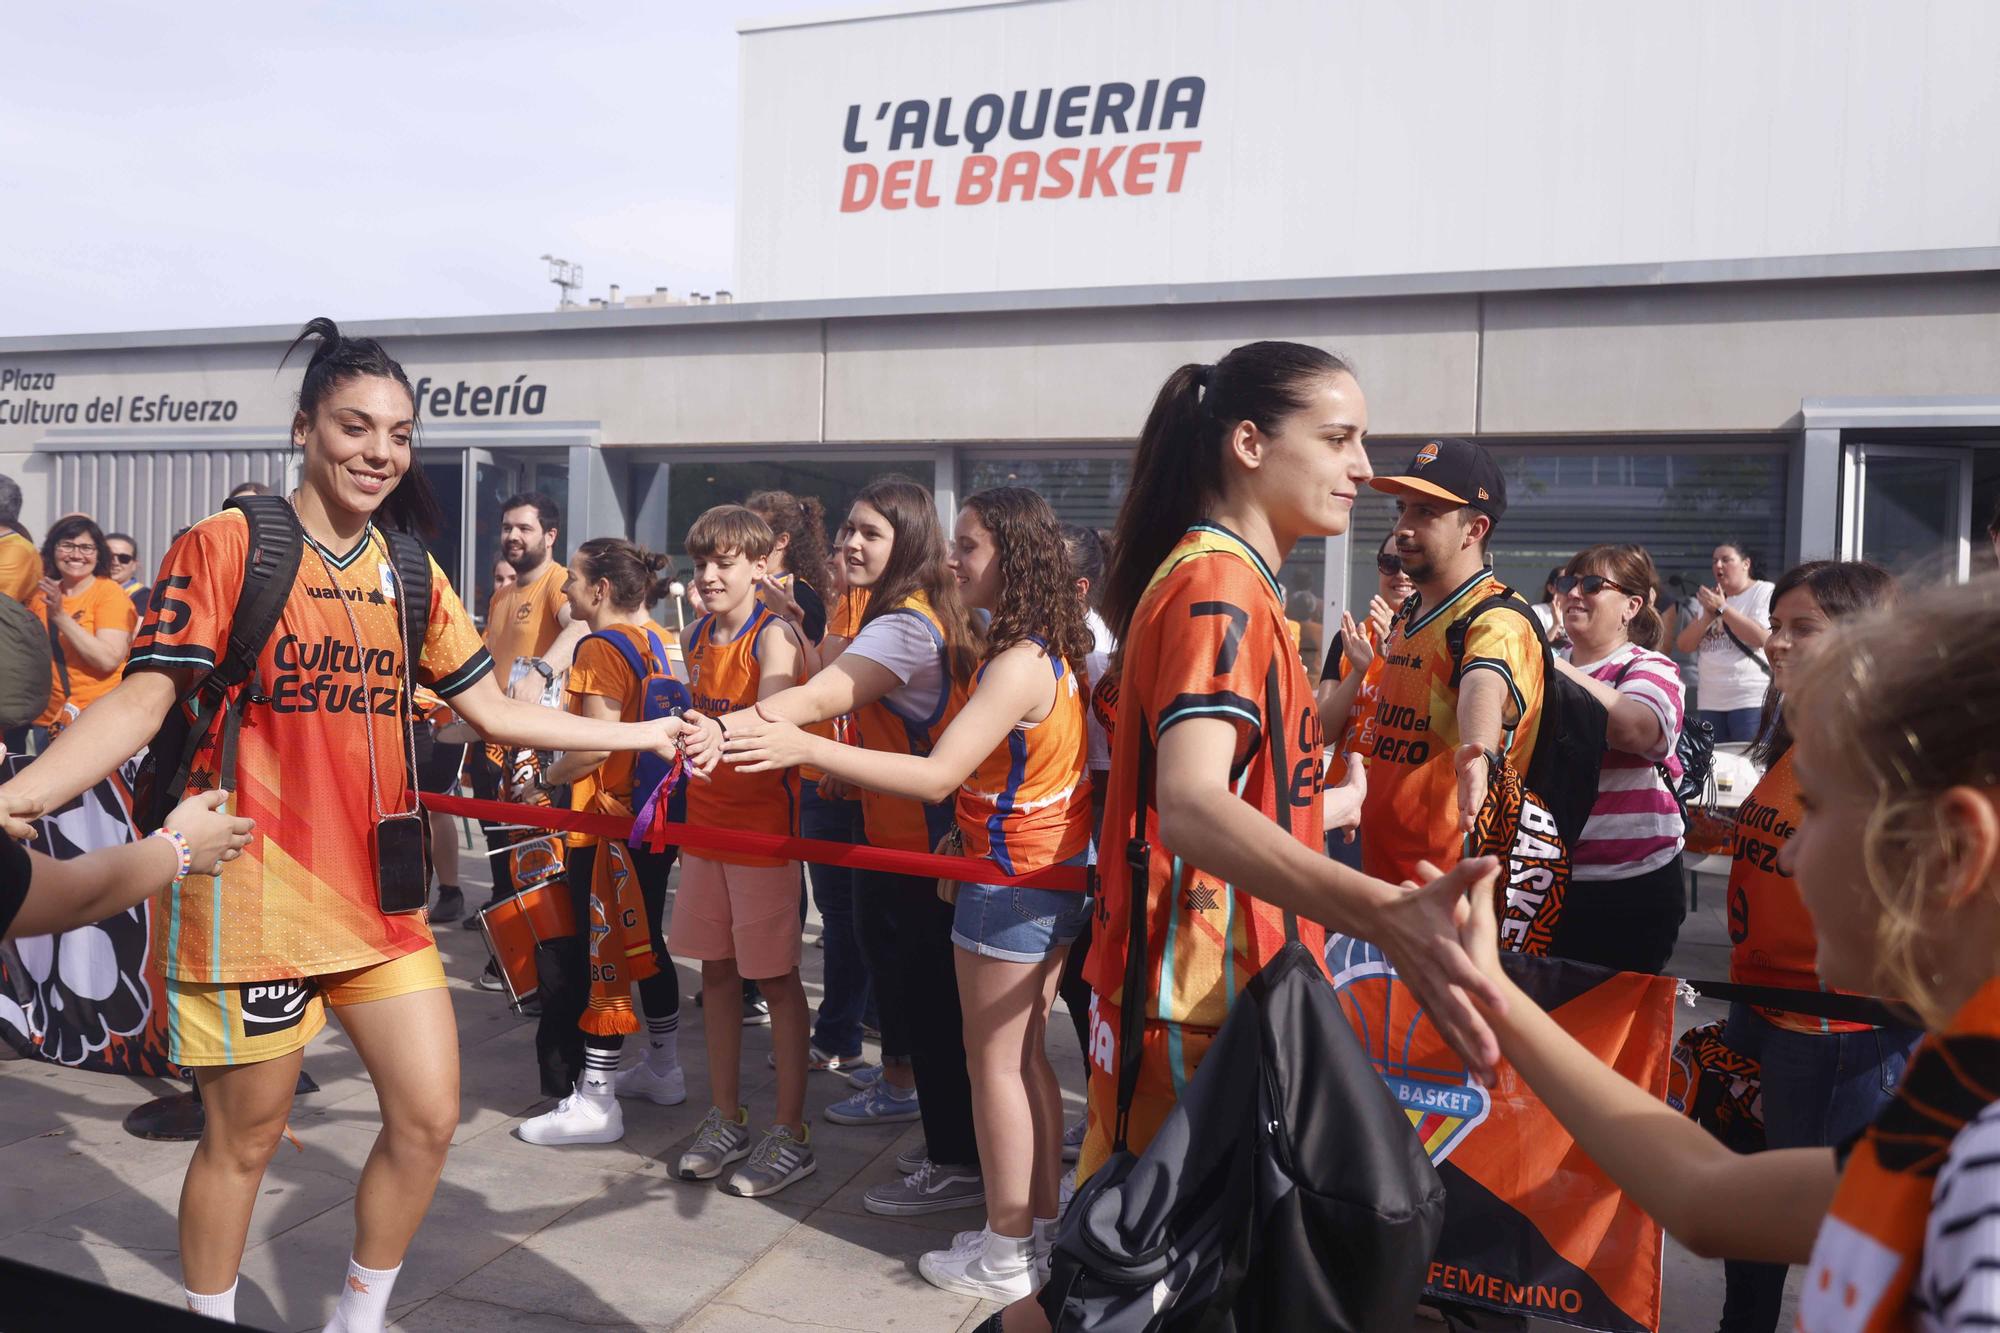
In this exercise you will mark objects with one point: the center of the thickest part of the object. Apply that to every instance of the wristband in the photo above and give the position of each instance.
(182, 851)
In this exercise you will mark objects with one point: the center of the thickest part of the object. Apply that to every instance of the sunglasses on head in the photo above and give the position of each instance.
(1389, 564)
(1587, 584)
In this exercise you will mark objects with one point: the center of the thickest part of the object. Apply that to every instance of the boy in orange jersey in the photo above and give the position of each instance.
(738, 912)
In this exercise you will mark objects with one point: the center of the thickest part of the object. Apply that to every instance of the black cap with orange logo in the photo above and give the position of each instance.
(1457, 471)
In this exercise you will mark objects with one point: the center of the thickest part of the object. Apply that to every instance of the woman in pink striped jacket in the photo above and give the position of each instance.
(1627, 894)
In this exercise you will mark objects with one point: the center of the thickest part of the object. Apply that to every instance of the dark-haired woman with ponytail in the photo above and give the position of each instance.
(584, 1023)
(1628, 892)
(312, 914)
(1237, 463)
(898, 676)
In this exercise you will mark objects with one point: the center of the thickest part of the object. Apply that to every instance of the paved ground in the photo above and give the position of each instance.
(524, 1238)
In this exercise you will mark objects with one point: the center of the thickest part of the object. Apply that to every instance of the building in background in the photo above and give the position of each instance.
(1721, 272)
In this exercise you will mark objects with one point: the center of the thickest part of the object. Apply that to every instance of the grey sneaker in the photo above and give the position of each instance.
(716, 1144)
(1073, 1141)
(929, 1189)
(912, 1158)
(778, 1160)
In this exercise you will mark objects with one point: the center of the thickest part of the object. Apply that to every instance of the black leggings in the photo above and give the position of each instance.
(565, 970)
(1627, 924)
(905, 935)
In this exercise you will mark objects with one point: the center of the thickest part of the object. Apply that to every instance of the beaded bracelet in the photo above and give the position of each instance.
(181, 850)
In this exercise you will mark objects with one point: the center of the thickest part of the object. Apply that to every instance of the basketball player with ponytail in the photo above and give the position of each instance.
(1238, 462)
(304, 919)
(586, 1019)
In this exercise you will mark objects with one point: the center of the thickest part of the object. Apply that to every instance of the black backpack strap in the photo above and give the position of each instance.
(1139, 861)
(1454, 633)
(56, 650)
(413, 598)
(270, 568)
(1280, 770)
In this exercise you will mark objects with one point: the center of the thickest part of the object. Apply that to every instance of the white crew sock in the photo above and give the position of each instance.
(600, 1067)
(1007, 1254)
(663, 1042)
(1045, 1237)
(221, 1306)
(364, 1299)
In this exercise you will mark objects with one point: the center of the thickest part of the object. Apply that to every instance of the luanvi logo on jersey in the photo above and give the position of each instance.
(273, 1006)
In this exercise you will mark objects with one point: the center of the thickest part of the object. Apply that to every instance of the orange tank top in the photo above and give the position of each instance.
(1027, 805)
(723, 677)
(895, 821)
(1769, 928)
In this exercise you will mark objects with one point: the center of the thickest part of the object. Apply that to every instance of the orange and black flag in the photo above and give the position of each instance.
(1531, 1225)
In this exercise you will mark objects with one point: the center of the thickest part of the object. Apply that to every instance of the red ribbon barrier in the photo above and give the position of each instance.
(697, 838)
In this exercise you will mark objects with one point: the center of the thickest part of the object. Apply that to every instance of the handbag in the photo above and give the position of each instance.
(951, 844)
(1285, 1189)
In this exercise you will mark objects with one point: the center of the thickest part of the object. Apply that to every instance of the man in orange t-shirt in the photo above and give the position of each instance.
(524, 622)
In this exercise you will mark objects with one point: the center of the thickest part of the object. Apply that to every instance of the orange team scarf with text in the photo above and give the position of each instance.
(1869, 1251)
(620, 950)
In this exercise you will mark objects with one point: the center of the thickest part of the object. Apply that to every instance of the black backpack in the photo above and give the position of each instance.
(1285, 1190)
(270, 568)
(27, 649)
(1569, 739)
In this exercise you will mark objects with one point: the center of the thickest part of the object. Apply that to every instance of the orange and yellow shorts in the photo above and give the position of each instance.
(248, 1022)
(1169, 1053)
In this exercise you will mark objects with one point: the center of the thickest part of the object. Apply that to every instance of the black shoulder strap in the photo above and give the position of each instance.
(56, 649)
(270, 567)
(1454, 633)
(413, 589)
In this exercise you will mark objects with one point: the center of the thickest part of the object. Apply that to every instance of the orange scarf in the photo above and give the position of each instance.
(1870, 1248)
(1516, 827)
(621, 949)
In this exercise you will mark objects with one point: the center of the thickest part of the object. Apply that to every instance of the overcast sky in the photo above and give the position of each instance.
(202, 164)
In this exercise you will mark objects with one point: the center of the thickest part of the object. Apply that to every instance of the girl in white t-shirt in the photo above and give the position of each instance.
(1728, 637)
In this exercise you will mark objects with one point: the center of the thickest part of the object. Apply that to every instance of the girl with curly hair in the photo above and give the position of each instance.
(1015, 757)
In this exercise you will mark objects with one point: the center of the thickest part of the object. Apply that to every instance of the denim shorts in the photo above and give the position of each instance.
(1018, 925)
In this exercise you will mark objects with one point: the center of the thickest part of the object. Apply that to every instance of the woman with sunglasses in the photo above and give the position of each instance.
(91, 619)
(1627, 893)
(1348, 686)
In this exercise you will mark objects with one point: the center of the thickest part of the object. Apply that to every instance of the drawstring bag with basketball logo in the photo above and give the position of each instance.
(1517, 826)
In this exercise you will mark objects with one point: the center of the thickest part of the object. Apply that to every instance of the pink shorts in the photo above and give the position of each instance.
(748, 913)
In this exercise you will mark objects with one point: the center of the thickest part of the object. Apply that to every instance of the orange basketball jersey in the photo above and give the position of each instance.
(1208, 641)
(1770, 932)
(895, 821)
(1411, 810)
(724, 677)
(301, 901)
(1027, 805)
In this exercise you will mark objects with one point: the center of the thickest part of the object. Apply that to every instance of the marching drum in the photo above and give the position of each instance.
(513, 927)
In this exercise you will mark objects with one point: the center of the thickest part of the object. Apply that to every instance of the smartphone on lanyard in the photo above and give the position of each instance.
(402, 863)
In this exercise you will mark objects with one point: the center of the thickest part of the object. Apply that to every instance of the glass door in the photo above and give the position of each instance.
(1908, 508)
(489, 479)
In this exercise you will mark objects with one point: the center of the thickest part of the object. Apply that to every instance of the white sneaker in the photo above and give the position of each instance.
(998, 1269)
(576, 1119)
(668, 1087)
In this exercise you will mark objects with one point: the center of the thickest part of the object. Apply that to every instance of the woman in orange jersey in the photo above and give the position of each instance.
(585, 1018)
(1823, 1080)
(1237, 462)
(1896, 855)
(899, 677)
(1016, 758)
(89, 631)
(310, 915)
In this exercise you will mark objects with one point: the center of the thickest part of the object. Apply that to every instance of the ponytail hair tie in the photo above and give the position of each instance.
(1204, 376)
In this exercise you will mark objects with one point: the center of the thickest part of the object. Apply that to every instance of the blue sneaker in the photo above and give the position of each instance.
(863, 1076)
(878, 1104)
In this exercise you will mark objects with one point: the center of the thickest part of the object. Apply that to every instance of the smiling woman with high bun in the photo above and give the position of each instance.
(323, 909)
